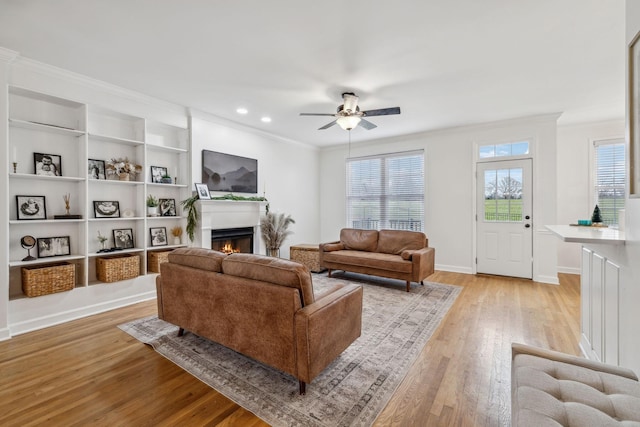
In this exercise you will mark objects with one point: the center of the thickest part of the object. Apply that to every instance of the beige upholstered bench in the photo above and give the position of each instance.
(549, 388)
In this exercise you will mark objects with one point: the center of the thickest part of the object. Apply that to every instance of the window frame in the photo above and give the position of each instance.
(593, 173)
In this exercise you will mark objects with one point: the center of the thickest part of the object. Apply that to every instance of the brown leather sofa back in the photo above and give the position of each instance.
(359, 240)
(273, 270)
(202, 259)
(396, 241)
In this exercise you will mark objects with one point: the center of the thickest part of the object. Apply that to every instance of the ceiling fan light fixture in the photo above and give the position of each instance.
(348, 122)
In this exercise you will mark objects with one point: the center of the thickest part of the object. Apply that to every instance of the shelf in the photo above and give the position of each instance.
(45, 178)
(44, 221)
(25, 124)
(157, 184)
(152, 218)
(123, 251)
(116, 140)
(114, 182)
(47, 260)
(166, 149)
(133, 218)
(160, 248)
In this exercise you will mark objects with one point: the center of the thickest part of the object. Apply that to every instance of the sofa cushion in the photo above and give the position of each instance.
(359, 240)
(373, 260)
(561, 393)
(273, 270)
(201, 258)
(396, 241)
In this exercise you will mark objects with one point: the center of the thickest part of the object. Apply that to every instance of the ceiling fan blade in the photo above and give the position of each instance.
(328, 125)
(350, 102)
(367, 124)
(382, 112)
(317, 114)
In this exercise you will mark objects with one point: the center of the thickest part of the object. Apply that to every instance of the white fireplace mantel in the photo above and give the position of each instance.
(217, 214)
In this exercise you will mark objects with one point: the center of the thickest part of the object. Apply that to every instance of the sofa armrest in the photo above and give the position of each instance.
(326, 328)
(557, 356)
(423, 261)
(331, 246)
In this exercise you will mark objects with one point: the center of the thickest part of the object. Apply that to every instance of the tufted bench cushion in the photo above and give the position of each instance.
(549, 388)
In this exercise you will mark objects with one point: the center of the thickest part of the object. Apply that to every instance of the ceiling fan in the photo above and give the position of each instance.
(349, 114)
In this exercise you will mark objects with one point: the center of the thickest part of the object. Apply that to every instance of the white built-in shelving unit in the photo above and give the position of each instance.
(77, 132)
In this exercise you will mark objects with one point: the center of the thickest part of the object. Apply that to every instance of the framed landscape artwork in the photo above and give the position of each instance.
(226, 172)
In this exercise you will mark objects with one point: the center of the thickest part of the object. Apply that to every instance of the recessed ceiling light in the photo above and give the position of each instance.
(242, 110)
(266, 119)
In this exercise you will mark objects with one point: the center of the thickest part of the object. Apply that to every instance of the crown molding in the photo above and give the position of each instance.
(8, 55)
(99, 85)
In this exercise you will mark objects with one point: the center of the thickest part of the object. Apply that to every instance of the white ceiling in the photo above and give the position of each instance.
(445, 63)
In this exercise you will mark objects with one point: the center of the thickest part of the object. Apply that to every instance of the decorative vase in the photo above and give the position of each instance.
(274, 252)
(152, 211)
(123, 176)
(176, 240)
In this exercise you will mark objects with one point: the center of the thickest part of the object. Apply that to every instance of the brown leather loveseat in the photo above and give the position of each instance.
(262, 307)
(397, 254)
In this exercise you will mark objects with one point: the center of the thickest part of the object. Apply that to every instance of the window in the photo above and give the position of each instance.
(519, 148)
(386, 191)
(610, 177)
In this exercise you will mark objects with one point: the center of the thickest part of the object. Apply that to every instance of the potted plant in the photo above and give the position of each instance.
(152, 205)
(166, 179)
(274, 228)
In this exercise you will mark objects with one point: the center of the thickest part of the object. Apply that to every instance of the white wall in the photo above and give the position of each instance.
(575, 169)
(450, 188)
(287, 171)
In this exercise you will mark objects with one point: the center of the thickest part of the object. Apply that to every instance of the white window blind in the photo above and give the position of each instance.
(386, 191)
(610, 178)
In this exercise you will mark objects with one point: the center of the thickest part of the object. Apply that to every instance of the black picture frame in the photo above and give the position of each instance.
(123, 238)
(53, 246)
(47, 164)
(31, 208)
(203, 191)
(106, 209)
(167, 207)
(158, 236)
(157, 172)
(96, 169)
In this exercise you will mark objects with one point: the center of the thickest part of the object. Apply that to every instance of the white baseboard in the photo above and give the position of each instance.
(569, 270)
(454, 269)
(5, 334)
(552, 280)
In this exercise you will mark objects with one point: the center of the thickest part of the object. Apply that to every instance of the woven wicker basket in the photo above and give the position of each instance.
(156, 258)
(116, 268)
(48, 279)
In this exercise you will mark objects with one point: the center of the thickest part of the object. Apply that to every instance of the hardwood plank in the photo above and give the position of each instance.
(88, 372)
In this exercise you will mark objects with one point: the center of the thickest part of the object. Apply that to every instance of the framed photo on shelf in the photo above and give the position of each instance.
(123, 238)
(31, 207)
(167, 207)
(203, 191)
(96, 169)
(157, 172)
(47, 164)
(158, 236)
(53, 246)
(106, 209)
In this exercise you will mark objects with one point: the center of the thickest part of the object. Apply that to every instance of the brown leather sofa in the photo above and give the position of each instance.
(397, 254)
(262, 307)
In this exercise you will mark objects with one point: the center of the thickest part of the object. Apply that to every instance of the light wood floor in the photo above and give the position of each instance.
(88, 372)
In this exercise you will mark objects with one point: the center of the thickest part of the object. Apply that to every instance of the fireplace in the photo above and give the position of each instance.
(230, 240)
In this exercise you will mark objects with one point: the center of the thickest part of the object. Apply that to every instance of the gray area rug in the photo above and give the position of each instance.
(352, 390)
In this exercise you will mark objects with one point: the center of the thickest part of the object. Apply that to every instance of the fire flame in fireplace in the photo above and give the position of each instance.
(228, 249)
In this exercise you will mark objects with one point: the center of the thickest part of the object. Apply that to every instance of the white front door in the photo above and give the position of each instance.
(504, 224)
